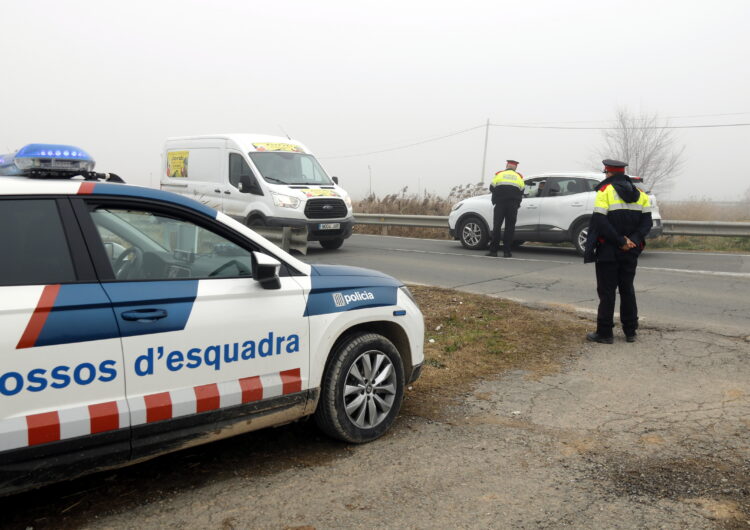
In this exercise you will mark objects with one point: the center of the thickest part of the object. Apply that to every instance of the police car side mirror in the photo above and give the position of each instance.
(335, 180)
(266, 270)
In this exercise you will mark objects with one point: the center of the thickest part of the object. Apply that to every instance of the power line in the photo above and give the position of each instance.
(637, 119)
(713, 125)
(553, 127)
(435, 139)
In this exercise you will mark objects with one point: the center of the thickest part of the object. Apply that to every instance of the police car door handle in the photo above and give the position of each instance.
(217, 190)
(227, 192)
(577, 204)
(144, 315)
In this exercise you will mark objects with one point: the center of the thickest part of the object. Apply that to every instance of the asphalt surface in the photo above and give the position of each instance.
(680, 290)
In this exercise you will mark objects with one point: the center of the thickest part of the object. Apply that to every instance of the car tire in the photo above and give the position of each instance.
(580, 233)
(351, 407)
(332, 244)
(474, 233)
(255, 221)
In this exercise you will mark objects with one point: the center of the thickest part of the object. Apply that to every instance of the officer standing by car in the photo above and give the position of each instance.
(507, 192)
(617, 233)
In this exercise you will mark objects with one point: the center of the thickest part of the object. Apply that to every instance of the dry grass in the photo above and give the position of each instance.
(705, 211)
(477, 336)
(406, 203)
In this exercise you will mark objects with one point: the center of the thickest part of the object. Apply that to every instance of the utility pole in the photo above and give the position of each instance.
(369, 170)
(484, 157)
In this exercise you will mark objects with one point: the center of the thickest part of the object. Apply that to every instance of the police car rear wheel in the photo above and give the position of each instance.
(474, 234)
(362, 389)
(332, 244)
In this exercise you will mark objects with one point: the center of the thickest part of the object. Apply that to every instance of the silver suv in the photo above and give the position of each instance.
(556, 207)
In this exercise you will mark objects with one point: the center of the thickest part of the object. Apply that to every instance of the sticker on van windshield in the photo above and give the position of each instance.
(177, 164)
(320, 193)
(270, 146)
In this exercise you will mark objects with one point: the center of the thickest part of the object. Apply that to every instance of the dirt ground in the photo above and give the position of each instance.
(654, 434)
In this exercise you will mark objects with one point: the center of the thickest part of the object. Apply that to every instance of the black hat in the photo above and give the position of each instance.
(614, 165)
(512, 162)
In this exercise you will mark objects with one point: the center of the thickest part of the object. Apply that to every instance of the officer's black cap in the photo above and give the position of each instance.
(614, 163)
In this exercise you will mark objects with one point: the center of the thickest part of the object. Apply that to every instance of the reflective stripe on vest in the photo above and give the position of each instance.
(508, 178)
(608, 200)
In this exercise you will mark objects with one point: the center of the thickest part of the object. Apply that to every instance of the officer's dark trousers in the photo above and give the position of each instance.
(505, 211)
(612, 276)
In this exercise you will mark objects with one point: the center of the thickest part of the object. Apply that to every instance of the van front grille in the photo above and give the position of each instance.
(325, 209)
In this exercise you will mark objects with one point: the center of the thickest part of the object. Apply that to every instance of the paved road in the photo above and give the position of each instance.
(679, 289)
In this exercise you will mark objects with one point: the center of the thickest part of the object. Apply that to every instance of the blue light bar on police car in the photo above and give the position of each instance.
(42, 158)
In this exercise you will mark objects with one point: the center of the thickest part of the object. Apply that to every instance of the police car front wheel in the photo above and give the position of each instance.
(362, 389)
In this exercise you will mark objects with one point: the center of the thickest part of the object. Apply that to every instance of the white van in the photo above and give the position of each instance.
(259, 180)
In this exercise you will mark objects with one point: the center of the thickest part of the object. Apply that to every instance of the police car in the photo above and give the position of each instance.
(137, 322)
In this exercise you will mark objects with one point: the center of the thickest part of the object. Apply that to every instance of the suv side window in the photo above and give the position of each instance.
(591, 184)
(240, 173)
(533, 188)
(145, 245)
(566, 186)
(34, 245)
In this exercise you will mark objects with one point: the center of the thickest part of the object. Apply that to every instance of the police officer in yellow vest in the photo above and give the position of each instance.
(617, 234)
(507, 192)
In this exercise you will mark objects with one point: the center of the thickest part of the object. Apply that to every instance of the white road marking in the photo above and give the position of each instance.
(477, 256)
(640, 267)
(695, 271)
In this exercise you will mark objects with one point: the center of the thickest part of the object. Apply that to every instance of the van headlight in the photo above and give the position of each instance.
(348, 201)
(285, 201)
(457, 206)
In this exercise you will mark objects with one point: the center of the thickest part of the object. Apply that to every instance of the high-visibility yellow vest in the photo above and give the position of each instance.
(508, 178)
(607, 200)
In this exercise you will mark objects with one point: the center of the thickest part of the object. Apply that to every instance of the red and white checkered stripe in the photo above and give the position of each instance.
(56, 425)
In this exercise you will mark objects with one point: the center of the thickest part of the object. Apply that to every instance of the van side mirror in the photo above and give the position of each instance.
(248, 184)
(335, 180)
(266, 270)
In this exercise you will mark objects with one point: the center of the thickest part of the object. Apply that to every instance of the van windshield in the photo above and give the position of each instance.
(290, 168)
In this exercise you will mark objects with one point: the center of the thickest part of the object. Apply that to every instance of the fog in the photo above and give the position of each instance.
(347, 78)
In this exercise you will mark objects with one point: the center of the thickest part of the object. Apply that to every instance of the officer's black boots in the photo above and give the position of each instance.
(595, 337)
(507, 254)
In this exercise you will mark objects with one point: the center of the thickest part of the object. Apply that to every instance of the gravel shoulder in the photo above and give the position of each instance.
(652, 434)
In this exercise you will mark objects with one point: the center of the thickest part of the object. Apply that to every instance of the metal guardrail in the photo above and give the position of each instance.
(671, 228)
(706, 228)
(286, 237)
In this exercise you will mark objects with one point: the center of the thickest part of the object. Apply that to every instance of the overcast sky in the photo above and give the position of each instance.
(344, 77)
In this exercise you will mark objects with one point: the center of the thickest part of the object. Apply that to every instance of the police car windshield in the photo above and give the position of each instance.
(290, 168)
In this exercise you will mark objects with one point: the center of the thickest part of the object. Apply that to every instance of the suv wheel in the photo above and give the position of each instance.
(580, 233)
(362, 389)
(474, 234)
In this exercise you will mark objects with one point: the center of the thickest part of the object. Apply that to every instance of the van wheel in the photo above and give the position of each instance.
(580, 234)
(332, 244)
(362, 389)
(256, 221)
(474, 234)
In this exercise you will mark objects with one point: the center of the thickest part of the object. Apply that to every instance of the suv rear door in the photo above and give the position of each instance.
(564, 200)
